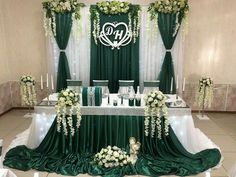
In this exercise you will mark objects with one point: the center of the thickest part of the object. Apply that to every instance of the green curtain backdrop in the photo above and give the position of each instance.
(114, 65)
(63, 29)
(74, 155)
(166, 25)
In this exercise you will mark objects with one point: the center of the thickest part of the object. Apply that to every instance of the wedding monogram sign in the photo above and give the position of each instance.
(115, 35)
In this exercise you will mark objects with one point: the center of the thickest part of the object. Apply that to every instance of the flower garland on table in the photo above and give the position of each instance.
(116, 8)
(67, 104)
(59, 6)
(178, 7)
(155, 105)
(27, 88)
(112, 157)
(205, 91)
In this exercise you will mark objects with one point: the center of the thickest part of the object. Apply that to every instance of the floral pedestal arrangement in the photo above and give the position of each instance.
(204, 96)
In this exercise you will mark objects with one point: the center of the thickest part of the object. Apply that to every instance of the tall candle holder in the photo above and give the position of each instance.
(47, 88)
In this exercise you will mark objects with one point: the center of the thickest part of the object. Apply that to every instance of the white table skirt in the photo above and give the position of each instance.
(181, 121)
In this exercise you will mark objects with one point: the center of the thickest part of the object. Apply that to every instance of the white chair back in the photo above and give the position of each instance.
(150, 86)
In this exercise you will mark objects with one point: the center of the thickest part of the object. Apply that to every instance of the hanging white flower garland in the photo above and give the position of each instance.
(27, 88)
(113, 8)
(155, 109)
(205, 92)
(68, 105)
(61, 6)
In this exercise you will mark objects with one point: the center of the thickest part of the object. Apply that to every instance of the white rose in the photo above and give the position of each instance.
(109, 152)
(121, 157)
(100, 163)
(159, 97)
(67, 4)
(62, 99)
(108, 157)
(116, 154)
(125, 161)
(65, 93)
(71, 94)
(153, 95)
(150, 99)
(106, 165)
(104, 160)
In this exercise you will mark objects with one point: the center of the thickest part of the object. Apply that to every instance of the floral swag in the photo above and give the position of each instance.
(205, 92)
(116, 8)
(51, 7)
(155, 106)
(68, 105)
(27, 88)
(178, 7)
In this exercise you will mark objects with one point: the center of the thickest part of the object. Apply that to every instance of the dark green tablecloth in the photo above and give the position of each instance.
(73, 155)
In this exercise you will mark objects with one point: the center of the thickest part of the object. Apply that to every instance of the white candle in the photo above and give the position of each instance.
(52, 82)
(171, 85)
(47, 80)
(41, 82)
(184, 85)
(177, 82)
(36, 174)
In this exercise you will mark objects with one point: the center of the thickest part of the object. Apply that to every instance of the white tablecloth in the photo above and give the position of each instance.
(181, 121)
(6, 173)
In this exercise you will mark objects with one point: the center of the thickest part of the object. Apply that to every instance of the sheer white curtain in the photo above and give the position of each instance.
(152, 51)
(77, 51)
(151, 48)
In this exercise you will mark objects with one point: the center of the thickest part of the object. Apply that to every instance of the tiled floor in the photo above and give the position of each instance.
(221, 129)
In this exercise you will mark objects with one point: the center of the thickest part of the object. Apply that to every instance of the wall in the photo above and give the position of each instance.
(5, 94)
(209, 45)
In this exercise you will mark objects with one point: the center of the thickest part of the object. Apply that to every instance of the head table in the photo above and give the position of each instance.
(188, 149)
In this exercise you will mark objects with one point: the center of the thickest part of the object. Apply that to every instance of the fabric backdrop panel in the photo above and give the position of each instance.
(151, 51)
(116, 64)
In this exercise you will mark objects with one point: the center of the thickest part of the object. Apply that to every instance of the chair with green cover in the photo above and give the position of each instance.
(104, 85)
(74, 85)
(151, 85)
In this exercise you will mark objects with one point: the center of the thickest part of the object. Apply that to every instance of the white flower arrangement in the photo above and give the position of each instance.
(178, 7)
(67, 105)
(113, 8)
(27, 89)
(112, 157)
(155, 106)
(205, 92)
(59, 6)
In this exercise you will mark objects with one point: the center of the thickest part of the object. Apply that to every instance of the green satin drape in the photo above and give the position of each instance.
(74, 155)
(114, 65)
(63, 29)
(166, 25)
